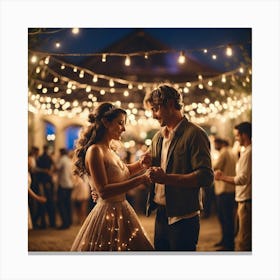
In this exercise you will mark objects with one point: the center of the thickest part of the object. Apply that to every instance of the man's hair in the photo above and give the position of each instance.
(162, 94)
(245, 127)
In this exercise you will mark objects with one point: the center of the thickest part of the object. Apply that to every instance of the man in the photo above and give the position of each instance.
(243, 186)
(181, 165)
(225, 193)
(45, 180)
(65, 188)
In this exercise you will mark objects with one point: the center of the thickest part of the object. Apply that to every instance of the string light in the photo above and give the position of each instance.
(75, 30)
(34, 59)
(231, 78)
(103, 57)
(57, 45)
(127, 61)
(181, 58)
(229, 50)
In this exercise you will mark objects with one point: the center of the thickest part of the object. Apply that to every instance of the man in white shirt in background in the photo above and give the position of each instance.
(225, 194)
(65, 187)
(243, 189)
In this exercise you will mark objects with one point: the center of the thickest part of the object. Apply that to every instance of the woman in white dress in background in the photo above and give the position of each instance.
(112, 225)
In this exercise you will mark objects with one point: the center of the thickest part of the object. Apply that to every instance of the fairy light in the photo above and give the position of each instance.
(205, 50)
(75, 30)
(88, 89)
(62, 66)
(57, 45)
(34, 59)
(55, 79)
(95, 78)
(82, 73)
(229, 51)
(126, 93)
(111, 83)
(47, 60)
(146, 56)
(127, 61)
(181, 58)
(103, 57)
(214, 56)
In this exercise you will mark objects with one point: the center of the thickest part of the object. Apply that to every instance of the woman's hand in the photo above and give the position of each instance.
(146, 160)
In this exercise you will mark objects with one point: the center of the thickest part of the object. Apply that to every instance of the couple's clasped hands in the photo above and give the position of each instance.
(154, 174)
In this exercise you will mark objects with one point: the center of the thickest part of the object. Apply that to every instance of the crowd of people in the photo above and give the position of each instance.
(174, 172)
(66, 198)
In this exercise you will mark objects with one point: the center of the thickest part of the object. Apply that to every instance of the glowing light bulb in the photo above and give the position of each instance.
(214, 57)
(75, 30)
(229, 51)
(111, 83)
(34, 59)
(127, 61)
(181, 58)
(95, 78)
(103, 57)
(57, 45)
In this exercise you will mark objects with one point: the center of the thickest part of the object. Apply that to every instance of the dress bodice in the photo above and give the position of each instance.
(117, 171)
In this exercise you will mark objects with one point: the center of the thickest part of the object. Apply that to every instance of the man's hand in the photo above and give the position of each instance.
(157, 175)
(218, 174)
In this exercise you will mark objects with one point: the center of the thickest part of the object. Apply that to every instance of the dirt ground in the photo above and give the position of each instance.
(53, 240)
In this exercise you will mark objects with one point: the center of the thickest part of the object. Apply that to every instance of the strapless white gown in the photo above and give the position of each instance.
(112, 225)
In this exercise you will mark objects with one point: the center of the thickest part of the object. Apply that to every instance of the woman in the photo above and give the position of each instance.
(112, 225)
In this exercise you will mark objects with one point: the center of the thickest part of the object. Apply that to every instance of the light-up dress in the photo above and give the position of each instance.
(112, 225)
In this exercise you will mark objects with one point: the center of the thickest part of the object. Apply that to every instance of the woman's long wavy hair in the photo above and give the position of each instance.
(93, 133)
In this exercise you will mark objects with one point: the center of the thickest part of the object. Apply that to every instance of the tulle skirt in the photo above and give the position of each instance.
(112, 226)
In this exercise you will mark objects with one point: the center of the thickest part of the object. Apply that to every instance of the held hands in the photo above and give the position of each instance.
(218, 174)
(156, 174)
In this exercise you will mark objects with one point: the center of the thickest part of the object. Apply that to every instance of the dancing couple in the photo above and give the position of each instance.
(176, 166)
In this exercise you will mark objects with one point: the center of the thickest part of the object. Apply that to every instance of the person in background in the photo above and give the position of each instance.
(80, 197)
(46, 184)
(181, 166)
(65, 187)
(243, 186)
(38, 198)
(225, 193)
